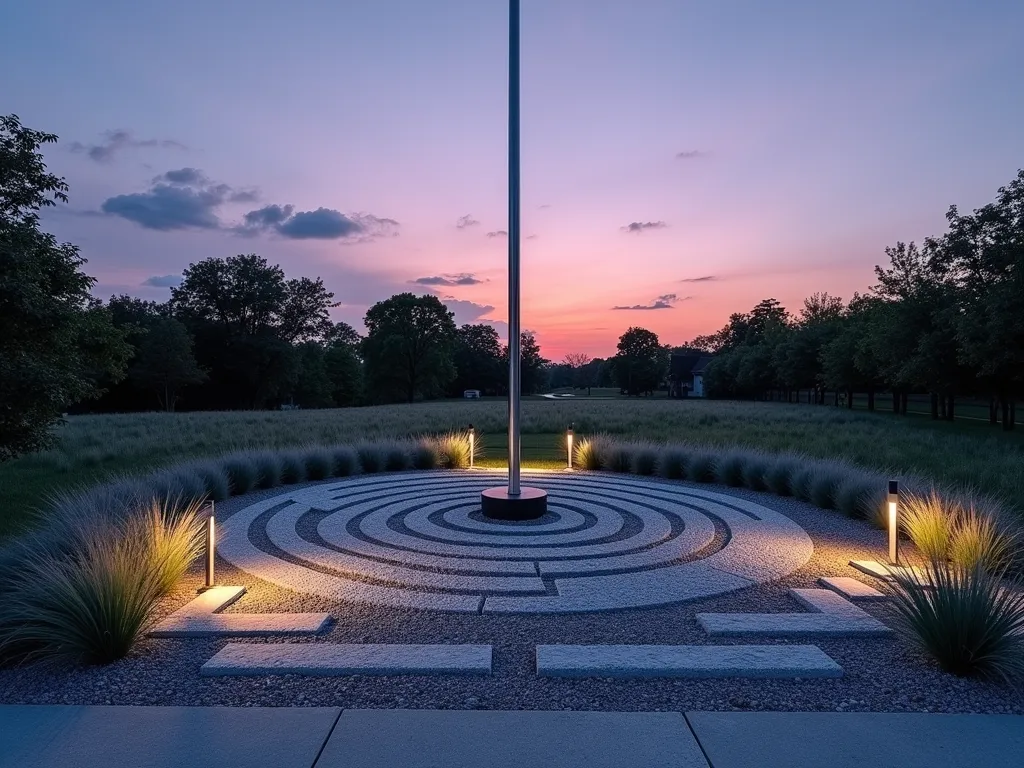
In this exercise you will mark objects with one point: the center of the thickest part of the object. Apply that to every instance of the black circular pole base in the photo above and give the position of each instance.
(530, 504)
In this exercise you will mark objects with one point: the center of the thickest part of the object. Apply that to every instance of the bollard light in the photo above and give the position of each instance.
(894, 522)
(211, 544)
(472, 445)
(568, 446)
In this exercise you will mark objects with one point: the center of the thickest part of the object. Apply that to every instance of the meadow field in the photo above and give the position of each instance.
(93, 448)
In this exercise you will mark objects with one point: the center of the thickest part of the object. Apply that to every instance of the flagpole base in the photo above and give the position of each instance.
(530, 504)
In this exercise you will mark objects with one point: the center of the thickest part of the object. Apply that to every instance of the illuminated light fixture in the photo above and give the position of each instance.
(211, 545)
(568, 445)
(472, 445)
(894, 520)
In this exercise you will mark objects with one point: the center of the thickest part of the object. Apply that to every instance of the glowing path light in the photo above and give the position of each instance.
(894, 520)
(568, 446)
(514, 502)
(211, 546)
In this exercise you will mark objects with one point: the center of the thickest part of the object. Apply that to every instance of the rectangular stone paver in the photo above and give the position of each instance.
(672, 584)
(330, 660)
(242, 624)
(211, 600)
(526, 739)
(627, 661)
(162, 737)
(851, 589)
(834, 616)
(884, 572)
(858, 739)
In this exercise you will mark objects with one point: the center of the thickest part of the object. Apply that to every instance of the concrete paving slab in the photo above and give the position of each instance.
(690, 661)
(833, 616)
(851, 589)
(612, 592)
(242, 624)
(884, 572)
(211, 600)
(334, 660)
(162, 737)
(855, 740)
(493, 739)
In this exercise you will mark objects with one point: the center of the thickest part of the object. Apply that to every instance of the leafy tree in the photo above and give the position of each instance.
(641, 363)
(582, 373)
(533, 373)
(408, 347)
(313, 387)
(164, 362)
(246, 319)
(344, 371)
(479, 360)
(984, 253)
(57, 343)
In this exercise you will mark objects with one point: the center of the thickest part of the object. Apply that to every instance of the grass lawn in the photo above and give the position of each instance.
(93, 448)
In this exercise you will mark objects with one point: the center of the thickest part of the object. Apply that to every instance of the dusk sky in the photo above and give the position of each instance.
(681, 160)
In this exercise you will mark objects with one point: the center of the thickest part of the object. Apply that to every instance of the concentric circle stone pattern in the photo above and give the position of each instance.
(419, 540)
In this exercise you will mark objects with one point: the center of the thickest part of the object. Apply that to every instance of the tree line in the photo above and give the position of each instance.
(944, 318)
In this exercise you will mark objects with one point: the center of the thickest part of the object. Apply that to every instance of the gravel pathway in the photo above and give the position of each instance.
(884, 674)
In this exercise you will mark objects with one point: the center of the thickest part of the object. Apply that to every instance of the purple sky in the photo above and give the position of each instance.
(681, 160)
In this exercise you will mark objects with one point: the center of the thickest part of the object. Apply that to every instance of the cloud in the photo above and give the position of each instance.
(664, 301)
(185, 198)
(163, 281)
(498, 233)
(544, 207)
(690, 154)
(321, 224)
(463, 278)
(466, 311)
(115, 141)
(640, 226)
(267, 216)
(168, 207)
(701, 279)
(531, 237)
(466, 221)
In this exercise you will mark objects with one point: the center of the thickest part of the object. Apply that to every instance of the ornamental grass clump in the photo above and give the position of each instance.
(779, 476)
(672, 463)
(423, 455)
(982, 539)
(701, 468)
(729, 468)
(618, 457)
(344, 461)
(293, 468)
(753, 472)
(928, 521)
(318, 463)
(861, 496)
(453, 450)
(215, 479)
(588, 453)
(243, 474)
(268, 469)
(968, 619)
(370, 458)
(645, 459)
(94, 603)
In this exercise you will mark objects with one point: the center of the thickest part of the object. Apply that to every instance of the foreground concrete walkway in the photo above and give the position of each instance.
(227, 737)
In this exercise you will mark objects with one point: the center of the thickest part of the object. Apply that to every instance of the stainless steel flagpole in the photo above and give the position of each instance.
(513, 250)
(513, 502)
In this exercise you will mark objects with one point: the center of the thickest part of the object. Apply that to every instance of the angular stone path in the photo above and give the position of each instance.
(417, 540)
(833, 616)
(851, 589)
(199, 618)
(885, 572)
(690, 661)
(329, 659)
